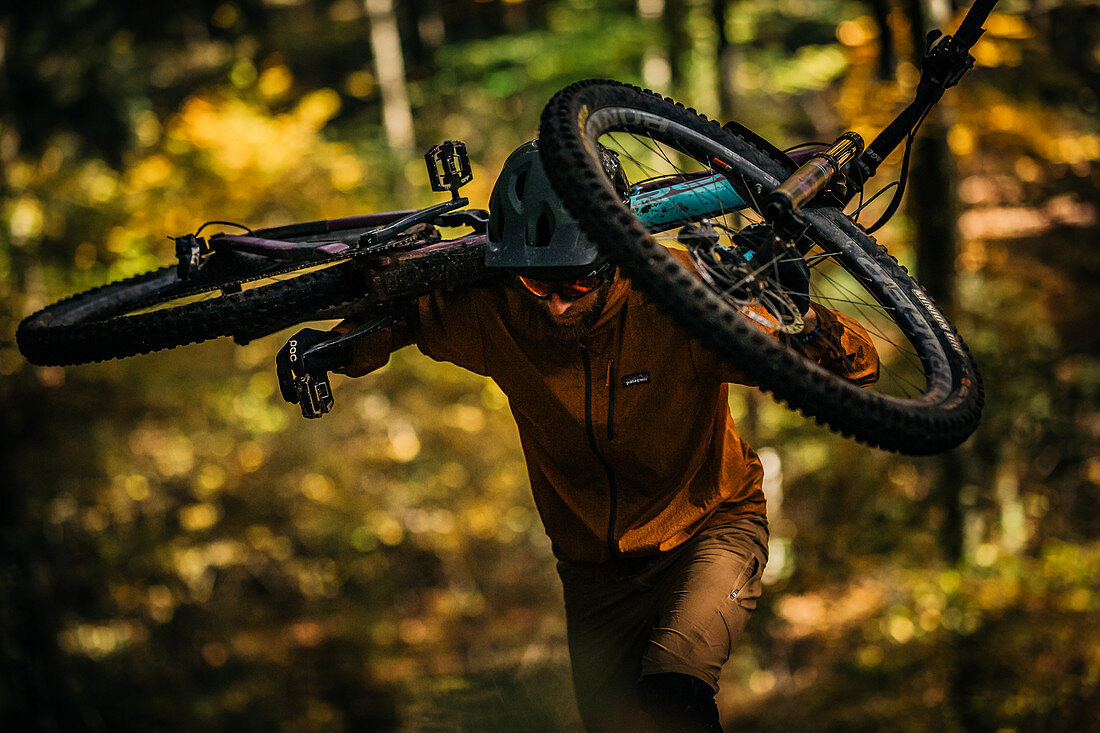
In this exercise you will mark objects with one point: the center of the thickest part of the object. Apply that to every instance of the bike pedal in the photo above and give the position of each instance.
(448, 166)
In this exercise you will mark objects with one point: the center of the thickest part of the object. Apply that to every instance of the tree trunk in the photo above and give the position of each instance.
(678, 44)
(424, 30)
(880, 9)
(726, 61)
(38, 694)
(389, 67)
(932, 207)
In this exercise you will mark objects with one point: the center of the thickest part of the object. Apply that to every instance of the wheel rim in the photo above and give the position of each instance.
(651, 147)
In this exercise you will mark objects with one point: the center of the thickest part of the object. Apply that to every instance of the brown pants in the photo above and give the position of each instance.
(680, 611)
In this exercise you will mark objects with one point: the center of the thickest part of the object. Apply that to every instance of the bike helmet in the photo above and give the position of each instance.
(529, 228)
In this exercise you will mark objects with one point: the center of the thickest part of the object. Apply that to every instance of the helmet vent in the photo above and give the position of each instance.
(520, 185)
(544, 227)
(529, 226)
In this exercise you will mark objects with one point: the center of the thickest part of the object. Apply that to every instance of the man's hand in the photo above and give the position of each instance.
(304, 381)
(288, 362)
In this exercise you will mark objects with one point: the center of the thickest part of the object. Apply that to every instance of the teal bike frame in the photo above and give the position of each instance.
(664, 206)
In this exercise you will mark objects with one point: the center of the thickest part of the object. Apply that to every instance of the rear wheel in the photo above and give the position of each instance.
(928, 398)
(126, 318)
(235, 294)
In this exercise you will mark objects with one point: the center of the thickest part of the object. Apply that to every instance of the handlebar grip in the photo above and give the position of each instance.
(970, 30)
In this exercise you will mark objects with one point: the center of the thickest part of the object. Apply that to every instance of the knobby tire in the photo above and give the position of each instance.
(94, 325)
(80, 329)
(940, 417)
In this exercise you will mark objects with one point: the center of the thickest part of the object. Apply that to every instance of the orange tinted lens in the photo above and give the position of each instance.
(568, 289)
(580, 286)
(538, 288)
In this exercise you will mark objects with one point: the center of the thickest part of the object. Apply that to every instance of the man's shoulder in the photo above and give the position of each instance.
(642, 303)
(469, 295)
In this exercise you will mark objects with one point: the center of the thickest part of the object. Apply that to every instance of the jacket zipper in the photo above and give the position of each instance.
(610, 400)
(612, 546)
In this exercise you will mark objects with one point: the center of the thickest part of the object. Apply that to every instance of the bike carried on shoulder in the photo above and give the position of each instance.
(743, 208)
(752, 212)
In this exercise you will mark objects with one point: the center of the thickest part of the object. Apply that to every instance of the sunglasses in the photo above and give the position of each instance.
(570, 288)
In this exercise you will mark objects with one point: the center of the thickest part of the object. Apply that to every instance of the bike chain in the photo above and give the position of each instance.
(229, 287)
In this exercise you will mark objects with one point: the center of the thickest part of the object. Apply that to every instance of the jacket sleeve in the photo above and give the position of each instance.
(842, 347)
(445, 325)
(449, 326)
(372, 352)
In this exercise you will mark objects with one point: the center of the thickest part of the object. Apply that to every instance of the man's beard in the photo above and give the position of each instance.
(574, 331)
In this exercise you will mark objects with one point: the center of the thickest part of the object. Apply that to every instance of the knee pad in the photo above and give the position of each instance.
(679, 703)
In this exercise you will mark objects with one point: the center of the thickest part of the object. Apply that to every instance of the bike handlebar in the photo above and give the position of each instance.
(970, 30)
(942, 67)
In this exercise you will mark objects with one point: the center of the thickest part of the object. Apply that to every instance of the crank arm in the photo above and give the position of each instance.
(384, 234)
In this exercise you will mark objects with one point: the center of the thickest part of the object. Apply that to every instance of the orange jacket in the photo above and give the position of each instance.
(629, 442)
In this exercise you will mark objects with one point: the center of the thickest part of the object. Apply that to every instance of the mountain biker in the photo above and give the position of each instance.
(652, 502)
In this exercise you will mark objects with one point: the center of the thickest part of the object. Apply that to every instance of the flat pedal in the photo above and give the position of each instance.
(448, 166)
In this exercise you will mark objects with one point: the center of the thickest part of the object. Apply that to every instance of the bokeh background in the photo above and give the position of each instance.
(182, 551)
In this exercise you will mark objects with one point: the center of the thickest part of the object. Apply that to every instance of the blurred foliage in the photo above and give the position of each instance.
(181, 551)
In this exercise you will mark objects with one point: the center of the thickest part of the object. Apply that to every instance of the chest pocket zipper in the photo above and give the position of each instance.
(612, 545)
(611, 399)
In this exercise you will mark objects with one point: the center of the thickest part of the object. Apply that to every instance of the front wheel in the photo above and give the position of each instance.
(928, 398)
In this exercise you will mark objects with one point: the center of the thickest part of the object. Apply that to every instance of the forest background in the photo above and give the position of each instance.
(182, 551)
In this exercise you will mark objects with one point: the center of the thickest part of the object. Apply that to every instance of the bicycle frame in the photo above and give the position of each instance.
(659, 204)
(448, 170)
(677, 202)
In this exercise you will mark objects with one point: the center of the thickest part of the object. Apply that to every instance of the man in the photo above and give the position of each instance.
(652, 501)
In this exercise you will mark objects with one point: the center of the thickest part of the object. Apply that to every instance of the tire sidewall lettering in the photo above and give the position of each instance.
(930, 419)
(628, 118)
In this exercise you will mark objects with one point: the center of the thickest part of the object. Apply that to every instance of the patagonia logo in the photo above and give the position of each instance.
(639, 378)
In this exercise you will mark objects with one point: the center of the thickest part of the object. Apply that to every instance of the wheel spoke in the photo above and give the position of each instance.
(901, 364)
(761, 279)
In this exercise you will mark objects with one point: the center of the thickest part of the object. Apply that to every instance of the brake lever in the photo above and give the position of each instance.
(383, 234)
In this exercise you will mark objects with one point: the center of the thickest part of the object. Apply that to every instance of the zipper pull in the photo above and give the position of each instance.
(610, 368)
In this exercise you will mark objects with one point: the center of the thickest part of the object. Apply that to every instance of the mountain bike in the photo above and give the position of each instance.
(742, 207)
(248, 284)
(746, 211)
